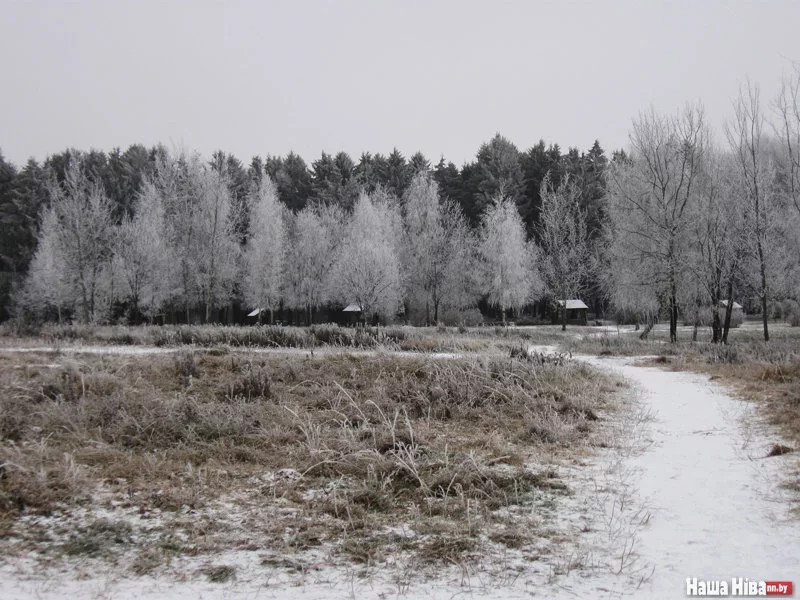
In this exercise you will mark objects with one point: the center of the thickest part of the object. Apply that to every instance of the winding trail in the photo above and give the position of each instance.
(715, 506)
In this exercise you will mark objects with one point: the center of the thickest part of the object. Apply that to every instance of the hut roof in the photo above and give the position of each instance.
(572, 304)
(736, 305)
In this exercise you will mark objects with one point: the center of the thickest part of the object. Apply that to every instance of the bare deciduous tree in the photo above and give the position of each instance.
(367, 269)
(315, 233)
(215, 241)
(85, 239)
(438, 249)
(755, 176)
(265, 253)
(511, 278)
(47, 285)
(649, 197)
(566, 257)
(787, 110)
(141, 253)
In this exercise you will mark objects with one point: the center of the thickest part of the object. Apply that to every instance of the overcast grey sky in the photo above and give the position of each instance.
(441, 77)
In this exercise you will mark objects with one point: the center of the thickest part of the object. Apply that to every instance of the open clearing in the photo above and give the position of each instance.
(388, 473)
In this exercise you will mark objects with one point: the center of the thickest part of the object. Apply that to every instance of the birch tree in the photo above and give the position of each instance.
(265, 252)
(566, 256)
(510, 277)
(177, 180)
(47, 285)
(141, 253)
(438, 251)
(367, 269)
(314, 238)
(215, 241)
(649, 200)
(85, 240)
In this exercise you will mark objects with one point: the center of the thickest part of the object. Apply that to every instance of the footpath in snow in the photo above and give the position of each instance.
(715, 506)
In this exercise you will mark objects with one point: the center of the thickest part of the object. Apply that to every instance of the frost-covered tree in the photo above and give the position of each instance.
(649, 197)
(787, 109)
(141, 254)
(718, 241)
(85, 233)
(566, 257)
(367, 269)
(438, 251)
(215, 243)
(47, 285)
(265, 252)
(787, 127)
(511, 278)
(755, 177)
(314, 237)
(177, 181)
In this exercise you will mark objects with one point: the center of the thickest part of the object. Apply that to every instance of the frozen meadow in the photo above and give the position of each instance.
(683, 489)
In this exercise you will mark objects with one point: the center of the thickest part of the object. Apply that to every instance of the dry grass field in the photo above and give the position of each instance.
(345, 459)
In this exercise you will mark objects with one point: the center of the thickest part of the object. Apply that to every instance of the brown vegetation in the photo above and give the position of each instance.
(336, 452)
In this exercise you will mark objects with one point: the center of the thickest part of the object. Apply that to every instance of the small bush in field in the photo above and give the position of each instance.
(186, 365)
(253, 384)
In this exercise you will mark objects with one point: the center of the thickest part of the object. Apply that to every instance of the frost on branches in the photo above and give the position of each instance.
(510, 277)
(264, 255)
(367, 269)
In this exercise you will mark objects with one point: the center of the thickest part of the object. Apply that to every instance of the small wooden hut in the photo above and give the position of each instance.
(576, 312)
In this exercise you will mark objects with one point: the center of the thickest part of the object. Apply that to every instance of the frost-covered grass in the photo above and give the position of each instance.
(344, 460)
(263, 336)
(498, 340)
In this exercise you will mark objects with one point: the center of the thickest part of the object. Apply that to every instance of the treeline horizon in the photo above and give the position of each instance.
(330, 180)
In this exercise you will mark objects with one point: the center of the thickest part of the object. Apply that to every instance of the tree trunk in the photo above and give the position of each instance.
(728, 312)
(673, 315)
(436, 311)
(564, 317)
(763, 267)
(715, 326)
(271, 319)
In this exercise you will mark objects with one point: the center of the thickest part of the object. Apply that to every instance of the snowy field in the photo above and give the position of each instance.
(683, 490)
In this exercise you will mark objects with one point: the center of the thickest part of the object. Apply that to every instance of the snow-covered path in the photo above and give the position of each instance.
(714, 503)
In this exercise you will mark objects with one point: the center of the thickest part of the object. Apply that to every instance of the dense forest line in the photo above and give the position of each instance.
(330, 181)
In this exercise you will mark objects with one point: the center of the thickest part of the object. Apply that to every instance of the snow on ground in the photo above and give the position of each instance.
(683, 491)
(80, 349)
(152, 350)
(713, 502)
